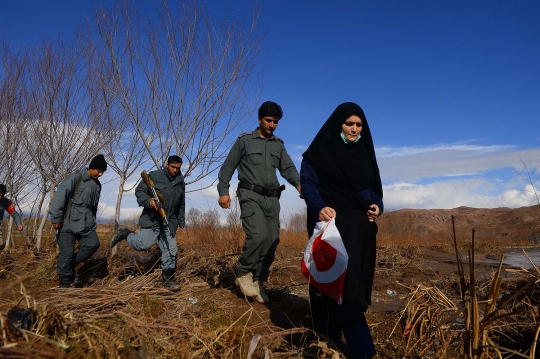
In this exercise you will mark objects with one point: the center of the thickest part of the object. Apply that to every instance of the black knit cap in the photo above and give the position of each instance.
(98, 163)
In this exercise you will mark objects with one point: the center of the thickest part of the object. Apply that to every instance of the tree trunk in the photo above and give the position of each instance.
(38, 214)
(44, 220)
(118, 204)
(119, 201)
(9, 237)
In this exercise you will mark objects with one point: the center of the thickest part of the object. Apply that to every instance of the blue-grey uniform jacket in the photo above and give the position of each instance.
(174, 193)
(257, 159)
(7, 205)
(81, 216)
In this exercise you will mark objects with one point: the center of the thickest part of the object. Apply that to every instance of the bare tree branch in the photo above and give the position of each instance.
(187, 81)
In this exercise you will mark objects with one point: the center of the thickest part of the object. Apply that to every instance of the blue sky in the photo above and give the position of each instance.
(451, 89)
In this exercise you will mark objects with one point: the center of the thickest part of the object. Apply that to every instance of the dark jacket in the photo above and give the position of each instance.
(174, 193)
(81, 215)
(314, 201)
(7, 205)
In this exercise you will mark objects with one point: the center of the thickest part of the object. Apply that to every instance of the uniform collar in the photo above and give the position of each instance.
(255, 134)
(85, 175)
(174, 180)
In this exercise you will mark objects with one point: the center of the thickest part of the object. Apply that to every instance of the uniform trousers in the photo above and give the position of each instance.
(147, 237)
(67, 259)
(260, 221)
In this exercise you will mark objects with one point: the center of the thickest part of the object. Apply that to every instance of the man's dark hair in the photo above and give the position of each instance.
(174, 159)
(3, 189)
(271, 109)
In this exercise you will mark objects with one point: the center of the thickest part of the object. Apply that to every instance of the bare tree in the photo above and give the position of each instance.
(187, 81)
(125, 151)
(37, 206)
(15, 172)
(126, 154)
(65, 126)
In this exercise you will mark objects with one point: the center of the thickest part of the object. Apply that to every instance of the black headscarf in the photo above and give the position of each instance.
(344, 169)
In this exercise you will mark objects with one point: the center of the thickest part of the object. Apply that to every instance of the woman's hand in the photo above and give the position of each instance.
(326, 214)
(373, 212)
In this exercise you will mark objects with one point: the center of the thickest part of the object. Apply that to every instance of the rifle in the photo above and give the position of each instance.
(160, 201)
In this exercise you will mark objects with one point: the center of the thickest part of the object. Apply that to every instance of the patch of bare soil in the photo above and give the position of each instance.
(121, 310)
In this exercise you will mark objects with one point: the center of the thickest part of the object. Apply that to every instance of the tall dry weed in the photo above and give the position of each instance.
(205, 231)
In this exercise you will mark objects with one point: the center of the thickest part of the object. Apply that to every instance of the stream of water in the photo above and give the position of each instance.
(516, 258)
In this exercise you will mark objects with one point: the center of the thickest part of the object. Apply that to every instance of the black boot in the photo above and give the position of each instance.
(64, 282)
(168, 280)
(120, 234)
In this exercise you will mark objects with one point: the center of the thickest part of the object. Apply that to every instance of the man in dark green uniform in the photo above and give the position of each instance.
(257, 155)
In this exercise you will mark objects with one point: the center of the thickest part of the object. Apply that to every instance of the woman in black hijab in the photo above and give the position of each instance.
(340, 178)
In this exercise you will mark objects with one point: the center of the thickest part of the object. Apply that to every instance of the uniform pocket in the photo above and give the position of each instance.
(254, 156)
(276, 158)
(249, 222)
(75, 213)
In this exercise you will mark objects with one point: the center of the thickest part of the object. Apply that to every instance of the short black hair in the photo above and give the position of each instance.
(3, 189)
(174, 159)
(271, 109)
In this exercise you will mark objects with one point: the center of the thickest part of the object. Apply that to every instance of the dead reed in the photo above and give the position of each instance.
(499, 324)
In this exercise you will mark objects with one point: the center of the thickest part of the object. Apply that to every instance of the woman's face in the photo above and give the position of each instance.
(351, 128)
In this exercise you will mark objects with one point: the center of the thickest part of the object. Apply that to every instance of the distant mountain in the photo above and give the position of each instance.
(516, 223)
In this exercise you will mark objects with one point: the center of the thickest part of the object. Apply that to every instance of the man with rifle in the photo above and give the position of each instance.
(163, 196)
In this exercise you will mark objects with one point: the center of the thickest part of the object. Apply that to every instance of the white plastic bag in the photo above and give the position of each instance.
(325, 260)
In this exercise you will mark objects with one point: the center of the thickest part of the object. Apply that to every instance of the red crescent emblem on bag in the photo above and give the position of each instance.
(324, 254)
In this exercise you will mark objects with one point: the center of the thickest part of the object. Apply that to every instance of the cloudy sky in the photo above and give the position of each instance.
(451, 89)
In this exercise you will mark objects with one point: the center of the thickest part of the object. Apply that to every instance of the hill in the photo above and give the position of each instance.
(514, 224)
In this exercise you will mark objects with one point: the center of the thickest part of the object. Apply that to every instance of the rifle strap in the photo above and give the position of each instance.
(72, 197)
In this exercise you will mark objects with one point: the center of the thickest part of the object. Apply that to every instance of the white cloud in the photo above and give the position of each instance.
(457, 148)
(107, 211)
(478, 192)
(453, 161)
(128, 185)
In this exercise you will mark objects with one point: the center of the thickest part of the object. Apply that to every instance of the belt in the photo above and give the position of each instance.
(261, 190)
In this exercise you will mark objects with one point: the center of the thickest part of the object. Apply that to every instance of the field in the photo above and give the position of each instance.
(427, 302)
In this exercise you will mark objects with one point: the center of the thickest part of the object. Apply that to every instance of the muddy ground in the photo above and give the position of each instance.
(121, 311)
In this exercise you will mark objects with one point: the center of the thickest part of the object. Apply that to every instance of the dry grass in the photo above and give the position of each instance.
(134, 317)
(122, 311)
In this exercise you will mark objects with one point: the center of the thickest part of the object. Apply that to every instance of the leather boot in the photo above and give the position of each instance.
(262, 297)
(244, 281)
(64, 282)
(168, 280)
(118, 236)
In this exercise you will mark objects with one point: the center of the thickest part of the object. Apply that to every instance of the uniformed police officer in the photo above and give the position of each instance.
(257, 155)
(73, 214)
(168, 181)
